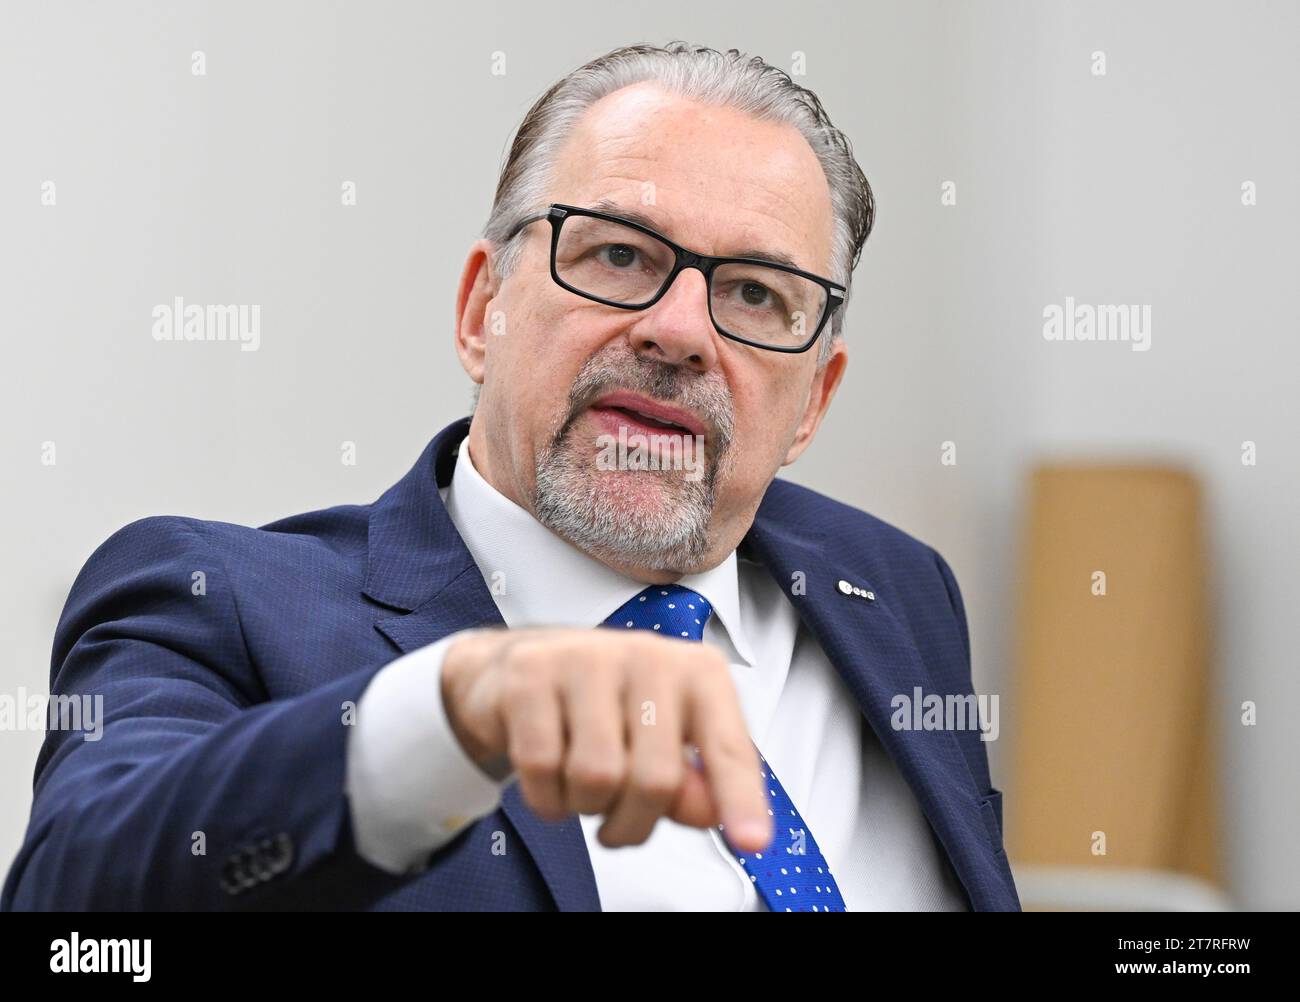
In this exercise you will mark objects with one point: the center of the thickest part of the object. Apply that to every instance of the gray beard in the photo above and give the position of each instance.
(576, 501)
(580, 503)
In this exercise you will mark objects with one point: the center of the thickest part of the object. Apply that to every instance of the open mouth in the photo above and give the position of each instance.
(640, 414)
(638, 417)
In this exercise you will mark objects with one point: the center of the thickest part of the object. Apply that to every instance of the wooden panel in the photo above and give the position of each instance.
(1112, 729)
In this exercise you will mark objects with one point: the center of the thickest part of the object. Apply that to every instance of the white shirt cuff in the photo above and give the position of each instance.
(410, 785)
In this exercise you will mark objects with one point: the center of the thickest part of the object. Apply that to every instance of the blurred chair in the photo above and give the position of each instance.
(1114, 741)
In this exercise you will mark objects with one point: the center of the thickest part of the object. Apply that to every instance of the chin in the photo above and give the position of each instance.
(651, 497)
(643, 519)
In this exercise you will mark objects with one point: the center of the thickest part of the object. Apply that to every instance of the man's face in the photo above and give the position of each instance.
(564, 377)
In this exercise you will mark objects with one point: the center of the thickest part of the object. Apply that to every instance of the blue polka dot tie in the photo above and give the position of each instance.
(790, 875)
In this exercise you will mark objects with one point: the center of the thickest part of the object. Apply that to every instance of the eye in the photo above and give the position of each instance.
(618, 255)
(752, 294)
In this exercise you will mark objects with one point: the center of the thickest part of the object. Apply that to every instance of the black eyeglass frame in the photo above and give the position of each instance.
(704, 263)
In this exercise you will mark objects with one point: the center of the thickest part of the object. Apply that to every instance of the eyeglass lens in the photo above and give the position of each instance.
(753, 301)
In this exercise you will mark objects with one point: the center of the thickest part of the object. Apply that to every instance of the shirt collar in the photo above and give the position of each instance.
(539, 579)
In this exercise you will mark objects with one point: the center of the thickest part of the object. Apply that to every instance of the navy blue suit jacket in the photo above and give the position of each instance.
(224, 712)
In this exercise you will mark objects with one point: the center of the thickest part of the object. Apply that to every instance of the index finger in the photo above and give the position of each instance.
(716, 726)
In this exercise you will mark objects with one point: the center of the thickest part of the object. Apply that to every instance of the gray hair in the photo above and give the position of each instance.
(731, 79)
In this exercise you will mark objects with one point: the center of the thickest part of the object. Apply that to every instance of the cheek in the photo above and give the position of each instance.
(521, 355)
(766, 408)
(542, 346)
(765, 425)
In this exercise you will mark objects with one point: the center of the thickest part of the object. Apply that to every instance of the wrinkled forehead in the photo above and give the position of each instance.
(714, 179)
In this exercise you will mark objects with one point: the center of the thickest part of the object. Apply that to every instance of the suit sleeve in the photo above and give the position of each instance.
(198, 792)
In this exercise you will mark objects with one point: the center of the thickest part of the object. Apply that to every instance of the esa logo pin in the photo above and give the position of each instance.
(851, 589)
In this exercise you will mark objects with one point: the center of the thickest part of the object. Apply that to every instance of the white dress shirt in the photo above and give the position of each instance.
(412, 787)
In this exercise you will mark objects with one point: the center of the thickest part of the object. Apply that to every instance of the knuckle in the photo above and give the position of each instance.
(659, 782)
(517, 689)
(647, 651)
(518, 659)
(595, 775)
(569, 646)
(643, 643)
(534, 762)
(535, 752)
(579, 658)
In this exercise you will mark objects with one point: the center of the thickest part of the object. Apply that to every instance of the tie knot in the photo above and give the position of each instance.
(671, 610)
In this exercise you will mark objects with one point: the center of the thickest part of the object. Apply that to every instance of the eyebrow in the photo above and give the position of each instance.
(636, 216)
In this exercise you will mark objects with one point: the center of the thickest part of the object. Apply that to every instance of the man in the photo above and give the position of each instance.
(337, 718)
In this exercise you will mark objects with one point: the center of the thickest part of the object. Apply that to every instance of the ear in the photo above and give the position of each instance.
(478, 289)
(824, 384)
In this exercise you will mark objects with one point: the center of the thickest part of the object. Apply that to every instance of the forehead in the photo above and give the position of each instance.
(714, 179)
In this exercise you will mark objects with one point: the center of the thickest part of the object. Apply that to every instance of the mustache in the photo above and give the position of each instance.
(704, 394)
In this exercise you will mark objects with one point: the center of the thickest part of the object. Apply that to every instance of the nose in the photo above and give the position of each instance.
(677, 329)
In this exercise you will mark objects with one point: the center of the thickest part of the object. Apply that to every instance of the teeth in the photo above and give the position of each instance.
(657, 420)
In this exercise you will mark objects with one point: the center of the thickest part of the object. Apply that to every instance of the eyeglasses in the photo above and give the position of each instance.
(619, 262)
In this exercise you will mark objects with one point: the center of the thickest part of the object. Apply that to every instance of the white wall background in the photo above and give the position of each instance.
(225, 188)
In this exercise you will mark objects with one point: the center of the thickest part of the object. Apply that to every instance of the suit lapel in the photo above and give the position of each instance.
(877, 660)
(419, 566)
